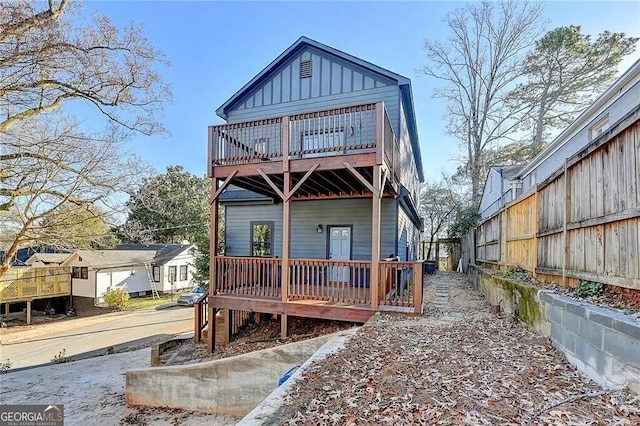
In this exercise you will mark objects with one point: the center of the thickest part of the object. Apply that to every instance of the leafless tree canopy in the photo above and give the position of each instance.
(46, 60)
(59, 179)
(478, 65)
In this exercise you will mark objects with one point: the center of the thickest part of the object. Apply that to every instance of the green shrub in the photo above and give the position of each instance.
(116, 299)
(5, 366)
(588, 288)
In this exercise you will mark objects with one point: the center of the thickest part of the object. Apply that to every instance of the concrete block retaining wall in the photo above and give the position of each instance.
(601, 342)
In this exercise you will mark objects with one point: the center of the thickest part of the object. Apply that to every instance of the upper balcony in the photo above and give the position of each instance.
(361, 135)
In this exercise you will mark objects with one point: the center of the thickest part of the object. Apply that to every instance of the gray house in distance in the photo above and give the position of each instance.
(501, 187)
(318, 169)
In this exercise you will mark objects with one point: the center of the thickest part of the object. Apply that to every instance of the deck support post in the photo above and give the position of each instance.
(28, 312)
(6, 310)
(211, 328)
(283, 326)
(375, 237)
(213, 253)
(286, 239)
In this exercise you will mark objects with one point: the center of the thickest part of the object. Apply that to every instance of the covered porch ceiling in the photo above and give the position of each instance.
(336, 183)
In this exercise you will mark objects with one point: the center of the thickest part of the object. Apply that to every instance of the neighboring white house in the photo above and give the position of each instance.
(502, 186)
(94, 272)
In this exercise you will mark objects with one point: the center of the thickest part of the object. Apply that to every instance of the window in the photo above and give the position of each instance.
(172, 273)
(81, 272)
(183, 272)
(261, 238)
(305, 69)
(599, 128)
(156, 273)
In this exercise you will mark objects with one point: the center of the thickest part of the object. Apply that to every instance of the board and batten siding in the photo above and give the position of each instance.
(408, 174)
(306, 242)
(333, 83)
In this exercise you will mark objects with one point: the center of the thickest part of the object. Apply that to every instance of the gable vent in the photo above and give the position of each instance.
(305, 69)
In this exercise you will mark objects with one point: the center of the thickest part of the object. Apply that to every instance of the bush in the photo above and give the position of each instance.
(116, 299)
(588, 288)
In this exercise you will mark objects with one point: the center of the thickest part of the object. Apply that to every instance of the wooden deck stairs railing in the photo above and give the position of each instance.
(227, 323)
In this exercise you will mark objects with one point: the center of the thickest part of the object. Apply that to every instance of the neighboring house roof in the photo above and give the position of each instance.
(162, 252)
(509, 172)
(238, 194)
(114, 258)
(403, 82)
(47, 258)
(125, 255)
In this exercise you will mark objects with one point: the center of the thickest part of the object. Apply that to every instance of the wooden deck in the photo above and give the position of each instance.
(24, 284)
(318, 288)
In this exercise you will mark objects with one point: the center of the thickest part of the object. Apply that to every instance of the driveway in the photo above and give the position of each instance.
(84, 337)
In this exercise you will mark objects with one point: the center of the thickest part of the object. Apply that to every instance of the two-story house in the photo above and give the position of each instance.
(318, 168)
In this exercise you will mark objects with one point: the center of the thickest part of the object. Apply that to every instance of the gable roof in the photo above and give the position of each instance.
(128, 255)
(403, 83)
(509, 172)
(162, 253)
(47, 258)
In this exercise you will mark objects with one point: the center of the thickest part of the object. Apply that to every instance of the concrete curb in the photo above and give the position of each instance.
(273, 402)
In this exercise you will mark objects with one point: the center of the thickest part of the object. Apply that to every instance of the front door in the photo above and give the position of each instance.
(339, 249)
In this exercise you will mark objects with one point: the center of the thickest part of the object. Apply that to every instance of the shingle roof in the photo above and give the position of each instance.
(48, 258)
(162, 252)
(113, 258)
(238, 194)
(509, 172)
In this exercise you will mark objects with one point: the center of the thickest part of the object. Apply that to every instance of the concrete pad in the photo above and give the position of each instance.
(230, 386)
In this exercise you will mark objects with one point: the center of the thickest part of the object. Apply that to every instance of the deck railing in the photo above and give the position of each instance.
(335, 131)
(391, 147)
(330, 280)
(342, 281)
(249, 276)
(401, 284)
(26, 283)
(200, 316)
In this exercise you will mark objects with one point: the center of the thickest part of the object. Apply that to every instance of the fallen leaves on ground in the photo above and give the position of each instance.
(463, 367)
(256, 337)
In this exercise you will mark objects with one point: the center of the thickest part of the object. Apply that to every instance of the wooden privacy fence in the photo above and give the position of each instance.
(582, 223)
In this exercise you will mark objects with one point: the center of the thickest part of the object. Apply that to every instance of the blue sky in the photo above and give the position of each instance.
(216, 47)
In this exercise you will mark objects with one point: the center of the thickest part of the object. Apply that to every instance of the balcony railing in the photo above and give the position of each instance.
(335, 131)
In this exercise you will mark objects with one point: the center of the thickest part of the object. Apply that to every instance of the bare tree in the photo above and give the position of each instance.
(479, 63)
(59, 185)
(438, 201)
(46, 61)
(59, 179)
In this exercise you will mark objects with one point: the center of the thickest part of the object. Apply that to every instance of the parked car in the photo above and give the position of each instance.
(188, 299)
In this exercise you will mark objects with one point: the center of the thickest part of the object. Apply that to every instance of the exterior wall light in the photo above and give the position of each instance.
(319, 229)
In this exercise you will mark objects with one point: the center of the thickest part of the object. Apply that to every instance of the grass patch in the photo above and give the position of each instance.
(150, 302)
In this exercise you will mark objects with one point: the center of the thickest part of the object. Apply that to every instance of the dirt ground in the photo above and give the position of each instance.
(458, 364)
(255, 337)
